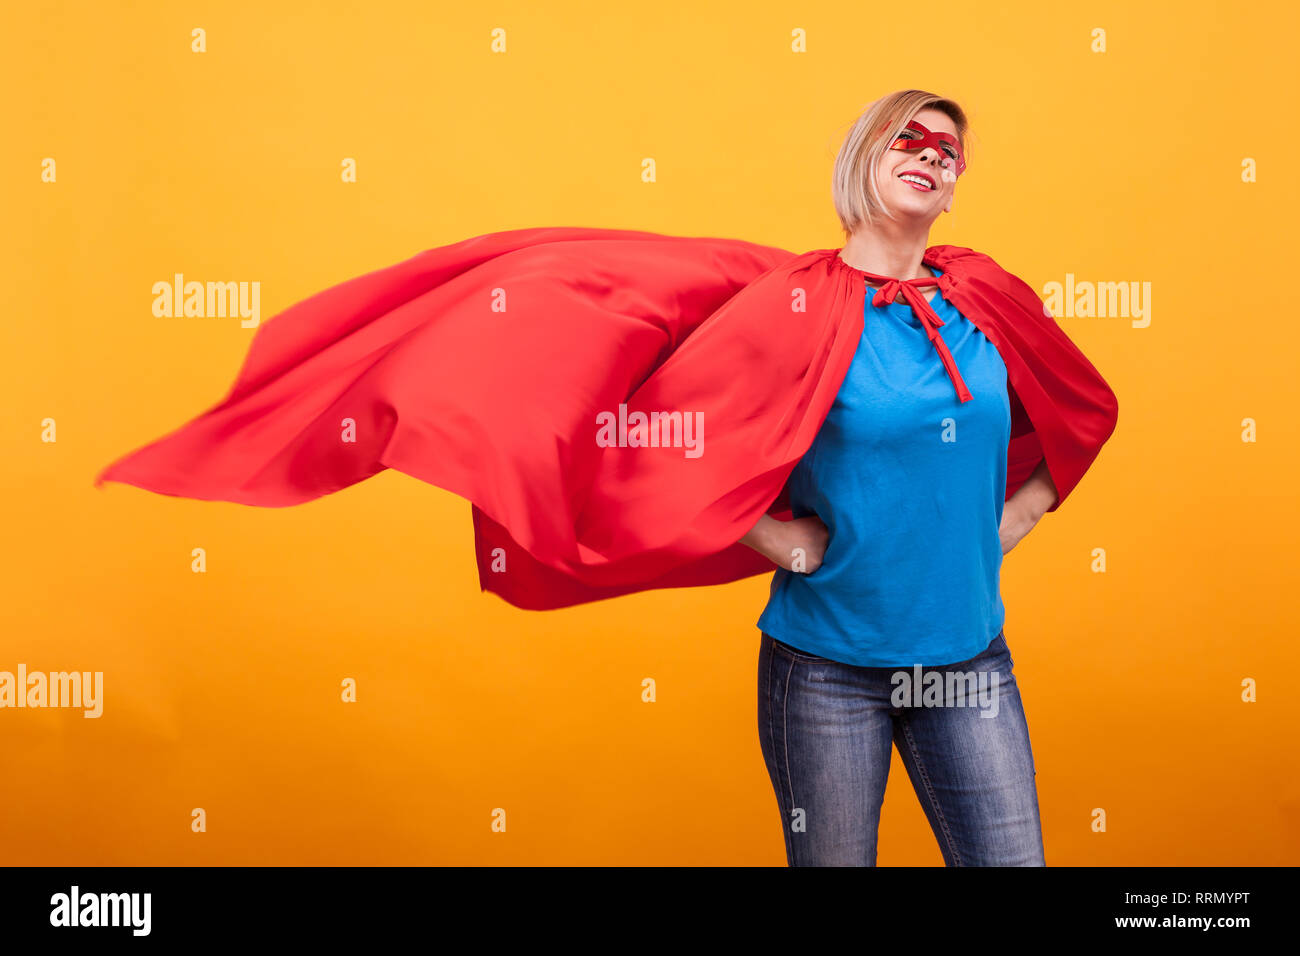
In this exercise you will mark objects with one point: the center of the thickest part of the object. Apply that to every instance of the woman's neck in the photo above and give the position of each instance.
(898, 257)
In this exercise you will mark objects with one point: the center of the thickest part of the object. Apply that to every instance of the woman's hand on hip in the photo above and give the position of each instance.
(1024, 508)
(1017, 521)
(798, 545)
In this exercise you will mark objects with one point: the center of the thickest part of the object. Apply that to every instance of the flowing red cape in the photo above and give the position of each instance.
(484, 367)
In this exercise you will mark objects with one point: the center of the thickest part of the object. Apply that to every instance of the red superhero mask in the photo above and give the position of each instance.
(916, 137)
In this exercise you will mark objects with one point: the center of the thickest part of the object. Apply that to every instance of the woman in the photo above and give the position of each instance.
(547, 375)
(894, 558)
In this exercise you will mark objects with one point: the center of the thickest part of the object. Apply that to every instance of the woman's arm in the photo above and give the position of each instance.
(797, 545)
(1023, 509)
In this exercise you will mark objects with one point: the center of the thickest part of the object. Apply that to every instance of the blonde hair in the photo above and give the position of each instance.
(853, 183)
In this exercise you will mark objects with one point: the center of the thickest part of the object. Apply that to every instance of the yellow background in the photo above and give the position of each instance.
(222, 689)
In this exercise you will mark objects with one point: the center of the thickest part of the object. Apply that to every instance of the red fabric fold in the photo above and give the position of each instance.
(485, 367)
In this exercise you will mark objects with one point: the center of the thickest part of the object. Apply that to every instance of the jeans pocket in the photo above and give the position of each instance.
(1011, 661)
(787, 651)
(994, 654)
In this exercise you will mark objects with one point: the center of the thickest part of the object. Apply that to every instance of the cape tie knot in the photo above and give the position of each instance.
(911, 289)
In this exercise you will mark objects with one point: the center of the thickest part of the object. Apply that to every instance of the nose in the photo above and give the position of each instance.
(937, 159)
(931, 155)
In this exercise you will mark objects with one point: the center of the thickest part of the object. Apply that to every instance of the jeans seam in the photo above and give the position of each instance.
(929, 793)
(782, 760)
(785, 739)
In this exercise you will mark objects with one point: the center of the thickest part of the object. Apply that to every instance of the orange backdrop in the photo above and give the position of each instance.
(1112, 143)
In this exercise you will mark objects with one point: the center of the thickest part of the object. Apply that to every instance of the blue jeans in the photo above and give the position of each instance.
(827, 732)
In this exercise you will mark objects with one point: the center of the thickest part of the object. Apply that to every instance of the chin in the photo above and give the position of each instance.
(922, 206)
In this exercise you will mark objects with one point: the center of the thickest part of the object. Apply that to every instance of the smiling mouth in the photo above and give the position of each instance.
(918, 181)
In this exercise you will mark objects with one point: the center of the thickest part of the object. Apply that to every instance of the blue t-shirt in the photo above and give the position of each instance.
(910, 483)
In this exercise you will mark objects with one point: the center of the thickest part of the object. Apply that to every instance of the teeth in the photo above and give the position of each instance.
(908, 177)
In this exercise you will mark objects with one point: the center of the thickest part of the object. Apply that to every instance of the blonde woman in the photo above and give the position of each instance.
(890, 567)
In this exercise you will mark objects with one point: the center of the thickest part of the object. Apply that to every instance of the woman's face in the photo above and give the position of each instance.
(908, 198)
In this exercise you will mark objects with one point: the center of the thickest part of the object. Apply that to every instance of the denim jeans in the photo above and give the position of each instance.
(827, 732)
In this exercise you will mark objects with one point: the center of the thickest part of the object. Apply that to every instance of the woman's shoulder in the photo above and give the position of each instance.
(958, 259)
(963, 264)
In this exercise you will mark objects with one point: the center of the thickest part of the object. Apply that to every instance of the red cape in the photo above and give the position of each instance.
(481, 367)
